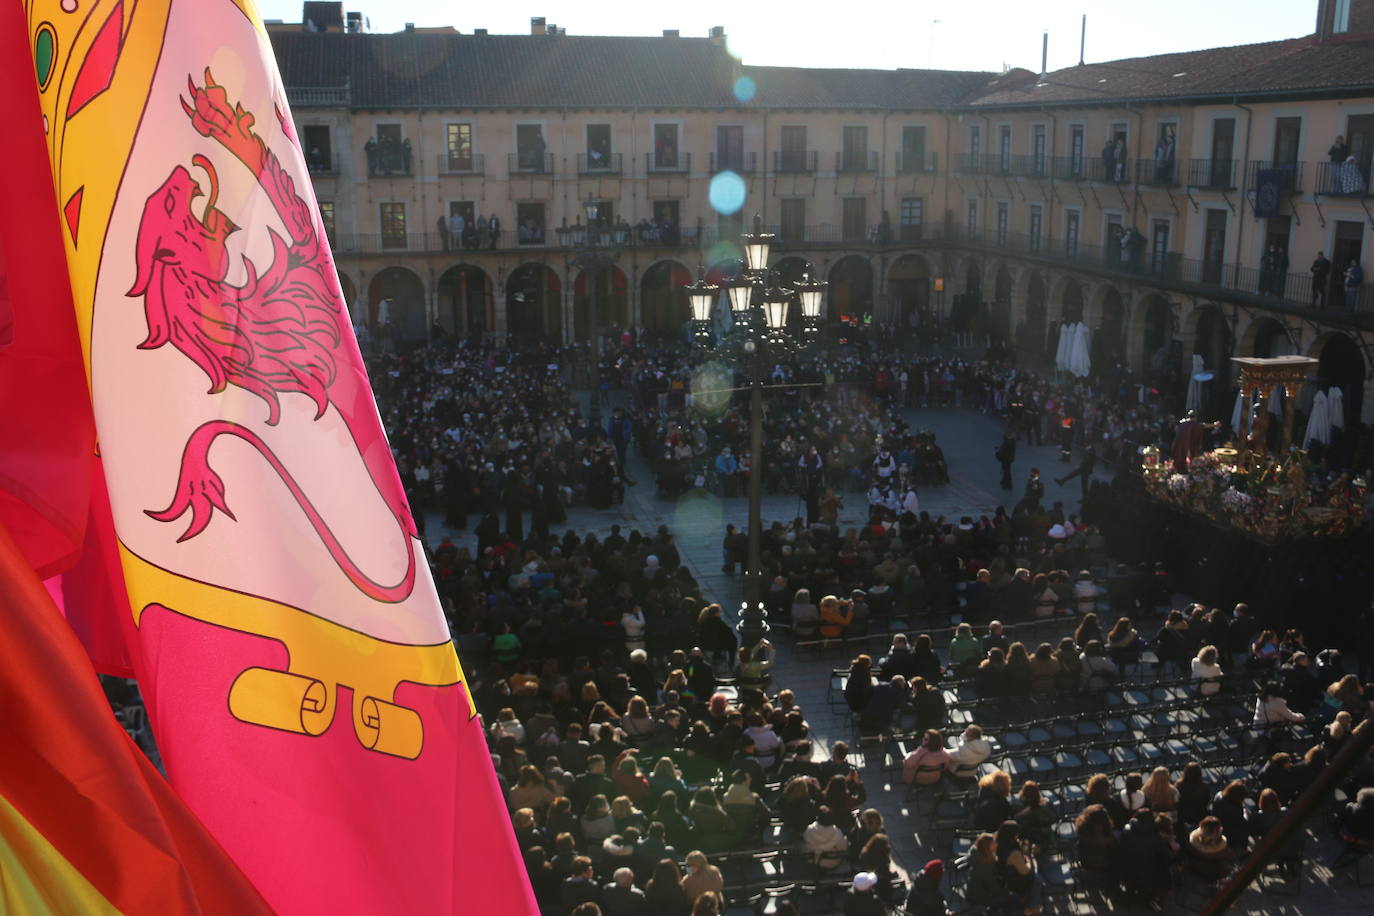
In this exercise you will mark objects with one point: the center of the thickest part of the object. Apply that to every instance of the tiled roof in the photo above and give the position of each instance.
(1293, 65)
(404, 69)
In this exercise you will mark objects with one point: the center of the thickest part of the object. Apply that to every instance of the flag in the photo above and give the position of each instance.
(86, 824)
(297, 668)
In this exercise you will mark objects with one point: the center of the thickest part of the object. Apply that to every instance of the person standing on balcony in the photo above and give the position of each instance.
(1336, 154)
(405, 155)
(443, 234)
(370, 150)
(456, 227)
(1321, 275)
(1109, 160)
(1119, 158)
(1164, 158)
(1354, 276)
(494, 230)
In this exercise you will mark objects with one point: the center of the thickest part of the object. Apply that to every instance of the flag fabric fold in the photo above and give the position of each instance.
(287, 637)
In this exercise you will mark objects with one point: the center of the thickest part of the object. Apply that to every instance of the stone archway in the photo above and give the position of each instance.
(1034, 330)
(600, 301)
(1264, 337)
(1070, 311)
(1001, 304)
(851, 290)
(1211, 336)
(396, 300)
(532, 303)
(1107, 336)
(350, 298)
(1151, 335)
(662, 303)
(1341, 364)
(466, 305)
(908, 287)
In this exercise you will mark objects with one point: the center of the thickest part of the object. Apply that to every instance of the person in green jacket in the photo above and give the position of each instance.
(965, 650)
(506, 647)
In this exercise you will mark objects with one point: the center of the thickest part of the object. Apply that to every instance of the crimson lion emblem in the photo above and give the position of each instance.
(283, 331)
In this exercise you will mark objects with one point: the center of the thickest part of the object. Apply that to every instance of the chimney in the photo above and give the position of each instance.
(1083, 40)
(479, 33)
(671, 33)
(410, 26)
(1045, 59)
(717, 35)
(537, 26)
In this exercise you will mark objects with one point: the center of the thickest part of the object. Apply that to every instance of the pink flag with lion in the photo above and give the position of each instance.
(284, 628)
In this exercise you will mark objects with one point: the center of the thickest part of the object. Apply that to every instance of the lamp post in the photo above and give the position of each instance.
(758, 335)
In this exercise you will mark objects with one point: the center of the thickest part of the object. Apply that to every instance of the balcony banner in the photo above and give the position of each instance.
(296, 665)
(1268, 192)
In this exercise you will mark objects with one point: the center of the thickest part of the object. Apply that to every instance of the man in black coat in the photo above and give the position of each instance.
(1006, 455)
(1321, 276)
(1084, 471)
(1035, 491)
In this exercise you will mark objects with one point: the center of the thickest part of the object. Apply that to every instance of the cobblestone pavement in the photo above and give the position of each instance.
(968, 439)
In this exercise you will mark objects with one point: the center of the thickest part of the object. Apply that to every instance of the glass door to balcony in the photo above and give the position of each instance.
(530, 147)
(458, 147)
(1038, 149)
(913, 148)
(1004, 149)
(598, 147)
(855, 217)
(1214, 246)
(1223, 151)
(793, 228)
(730, 148)
(910, 218)
(855, 149)
(1159, 246)
(792, 157)
(1076, 152)
(1359, 134)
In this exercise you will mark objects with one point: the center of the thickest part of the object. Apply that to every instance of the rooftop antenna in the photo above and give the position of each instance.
(1045, 58)
(1082, 39)
(931, 50)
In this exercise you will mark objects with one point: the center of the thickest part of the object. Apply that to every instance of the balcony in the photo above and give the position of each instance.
(856, 161)
(970, 163)
(599, 164)
(667, 162)
(458, 164)
(743, 163)
(795, 161)
(1290, 174)
(909, 161)
(530, 163)
(1290, 289)
(1339, 179)
(1070, 168)
(1157, 174)
(387, 160)
(322, 165)
(1213, 174)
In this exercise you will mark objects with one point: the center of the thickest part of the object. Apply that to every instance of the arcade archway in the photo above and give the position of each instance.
(396, 300)
(908, 289)
(1001, 304)
(600, 301)
(851, 290)
(1032, 336)
(1212, 341)
(1106, 339)
(1341, 365)
(532, 303)
(662, 303)
(465, 300)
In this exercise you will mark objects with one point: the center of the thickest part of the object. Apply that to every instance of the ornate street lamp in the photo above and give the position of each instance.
(757, 340)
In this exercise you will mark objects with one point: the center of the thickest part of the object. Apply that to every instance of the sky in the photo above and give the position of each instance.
(880, 33)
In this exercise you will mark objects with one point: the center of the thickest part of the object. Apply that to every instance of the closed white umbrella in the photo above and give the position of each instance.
(1193, 401)
(1061, 353)
(1335, 408)
(1318, 426)
(1082, 354)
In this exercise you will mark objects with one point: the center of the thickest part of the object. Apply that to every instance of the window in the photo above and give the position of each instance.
(1165, 154)
(913, 149)
(1340, 19)
(1159, 246)
(729, 226)
(975, 143)
(665, 146)
(599, 213)
(319, 157)
(1076, 151)
(458, 147)
(855, 227)
(971, 223)
(393, 225)
(1037, 218)
(529, 220)
(1115, 229)
(1214, 246)
(1004, 148)
(730, 148)
(462, 224)
(327, 218)
(1003, 220)
(598, 146)
(792, 157)
(531, 154)
(793, 228)
(1071, 233)
(855, 156)
(911, 216)
(1038, 149)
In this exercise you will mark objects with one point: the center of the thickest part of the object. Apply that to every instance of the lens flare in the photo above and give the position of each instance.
(727, 193)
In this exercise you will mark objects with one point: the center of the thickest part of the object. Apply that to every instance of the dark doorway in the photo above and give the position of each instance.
(1214, 246)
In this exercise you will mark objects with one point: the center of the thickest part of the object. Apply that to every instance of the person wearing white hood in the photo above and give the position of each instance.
(911, 503)
(973, 749)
